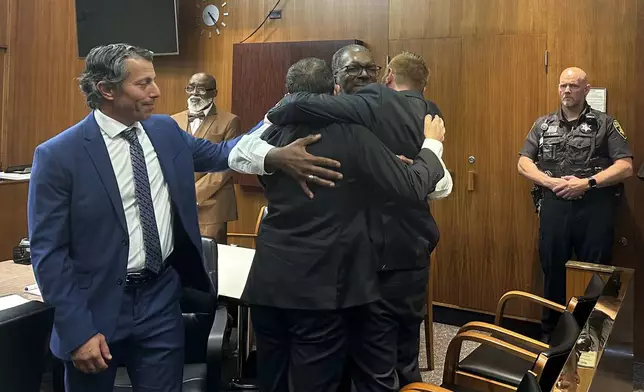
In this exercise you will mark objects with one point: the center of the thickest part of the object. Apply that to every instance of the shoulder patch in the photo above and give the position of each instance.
(619, 129)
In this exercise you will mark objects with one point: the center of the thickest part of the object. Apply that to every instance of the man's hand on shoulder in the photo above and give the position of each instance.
(93, 355)
(434, 128)
(294, 160)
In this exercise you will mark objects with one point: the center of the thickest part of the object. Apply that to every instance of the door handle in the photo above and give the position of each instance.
(470, 180)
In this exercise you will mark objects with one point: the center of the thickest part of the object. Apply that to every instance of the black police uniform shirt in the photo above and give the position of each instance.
(581, 147)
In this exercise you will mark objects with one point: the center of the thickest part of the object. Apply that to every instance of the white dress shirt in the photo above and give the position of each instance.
(249, 154)
(119, 151)
(444, 186)
(196, 123)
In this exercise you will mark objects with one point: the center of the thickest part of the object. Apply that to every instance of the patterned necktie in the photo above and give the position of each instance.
(151, 242)
(193, 116)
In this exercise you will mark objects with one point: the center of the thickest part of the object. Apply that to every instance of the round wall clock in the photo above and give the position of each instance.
(210, 17)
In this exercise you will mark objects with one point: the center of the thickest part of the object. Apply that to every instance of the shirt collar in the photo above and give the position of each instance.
(110, 126)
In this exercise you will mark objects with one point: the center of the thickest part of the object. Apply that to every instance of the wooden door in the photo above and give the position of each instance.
(490, 90)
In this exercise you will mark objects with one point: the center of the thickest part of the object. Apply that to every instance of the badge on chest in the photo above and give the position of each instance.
(551, 130)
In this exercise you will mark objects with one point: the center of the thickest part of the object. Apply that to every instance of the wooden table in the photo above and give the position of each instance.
(14, 277)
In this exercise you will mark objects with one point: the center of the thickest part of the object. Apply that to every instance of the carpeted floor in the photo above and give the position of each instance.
(444, 333)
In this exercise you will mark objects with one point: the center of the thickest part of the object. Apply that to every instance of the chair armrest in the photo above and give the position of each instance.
(421, 386)
(454, 351)
(242, 235)
(523, 295)
(478, 326)
(215, 348)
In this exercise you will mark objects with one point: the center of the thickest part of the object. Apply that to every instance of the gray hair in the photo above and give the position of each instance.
(107, 64)
(311, 75)
(336, 62)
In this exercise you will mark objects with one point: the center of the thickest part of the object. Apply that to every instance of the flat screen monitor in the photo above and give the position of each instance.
(150, 24)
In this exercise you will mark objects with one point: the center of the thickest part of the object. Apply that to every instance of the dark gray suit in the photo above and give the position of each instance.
(315, 264)
(405, 233)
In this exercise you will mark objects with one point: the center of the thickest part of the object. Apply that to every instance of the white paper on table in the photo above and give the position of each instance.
(14, 176)
(11, 301)
(233, 265)
(33, 289)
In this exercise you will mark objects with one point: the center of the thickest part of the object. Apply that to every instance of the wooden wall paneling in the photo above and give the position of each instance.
(302, 20)
(41, 85)
(268, 82)
(409, 19)
(13, 216)
(173, 72)
(5, 18)
(44, 65)
(3, 58)
(4, 22)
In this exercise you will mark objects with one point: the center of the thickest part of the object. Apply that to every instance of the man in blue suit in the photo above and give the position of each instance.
(113, 227)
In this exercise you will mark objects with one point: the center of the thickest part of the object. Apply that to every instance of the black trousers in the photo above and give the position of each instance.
(585, 227)
(299, 350)
(386, 342)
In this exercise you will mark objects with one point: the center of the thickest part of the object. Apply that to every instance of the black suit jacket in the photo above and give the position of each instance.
(407, 232)
(317, 253)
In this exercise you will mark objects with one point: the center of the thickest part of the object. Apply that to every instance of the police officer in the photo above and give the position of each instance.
(578, 158)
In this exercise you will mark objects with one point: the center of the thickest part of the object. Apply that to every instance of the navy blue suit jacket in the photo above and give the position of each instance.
(77, 228)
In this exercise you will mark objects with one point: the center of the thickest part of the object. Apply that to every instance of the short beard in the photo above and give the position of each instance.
(199, 105)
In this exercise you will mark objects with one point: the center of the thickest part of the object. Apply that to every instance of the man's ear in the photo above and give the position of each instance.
(337, 89)
(105, 90)
(216, 92)
(390, 78)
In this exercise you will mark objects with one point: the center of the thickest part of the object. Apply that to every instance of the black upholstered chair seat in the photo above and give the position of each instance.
(495, 364)
(24, 341)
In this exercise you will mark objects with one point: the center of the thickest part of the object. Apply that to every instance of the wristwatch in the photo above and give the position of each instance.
(592, 183)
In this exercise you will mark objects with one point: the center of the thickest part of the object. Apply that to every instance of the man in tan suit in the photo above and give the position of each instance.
(215, 193)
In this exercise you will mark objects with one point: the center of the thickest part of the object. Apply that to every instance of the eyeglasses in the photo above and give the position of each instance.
(198, 90)
(356, 70)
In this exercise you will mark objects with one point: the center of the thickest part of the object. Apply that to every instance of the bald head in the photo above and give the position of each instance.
(573, 88)
(203, 79)
(574, 73)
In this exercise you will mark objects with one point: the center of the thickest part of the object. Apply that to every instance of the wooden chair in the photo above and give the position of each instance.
(502, 359)
(580, 307)
(253, 236)
(508, 370)
(529, 383)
